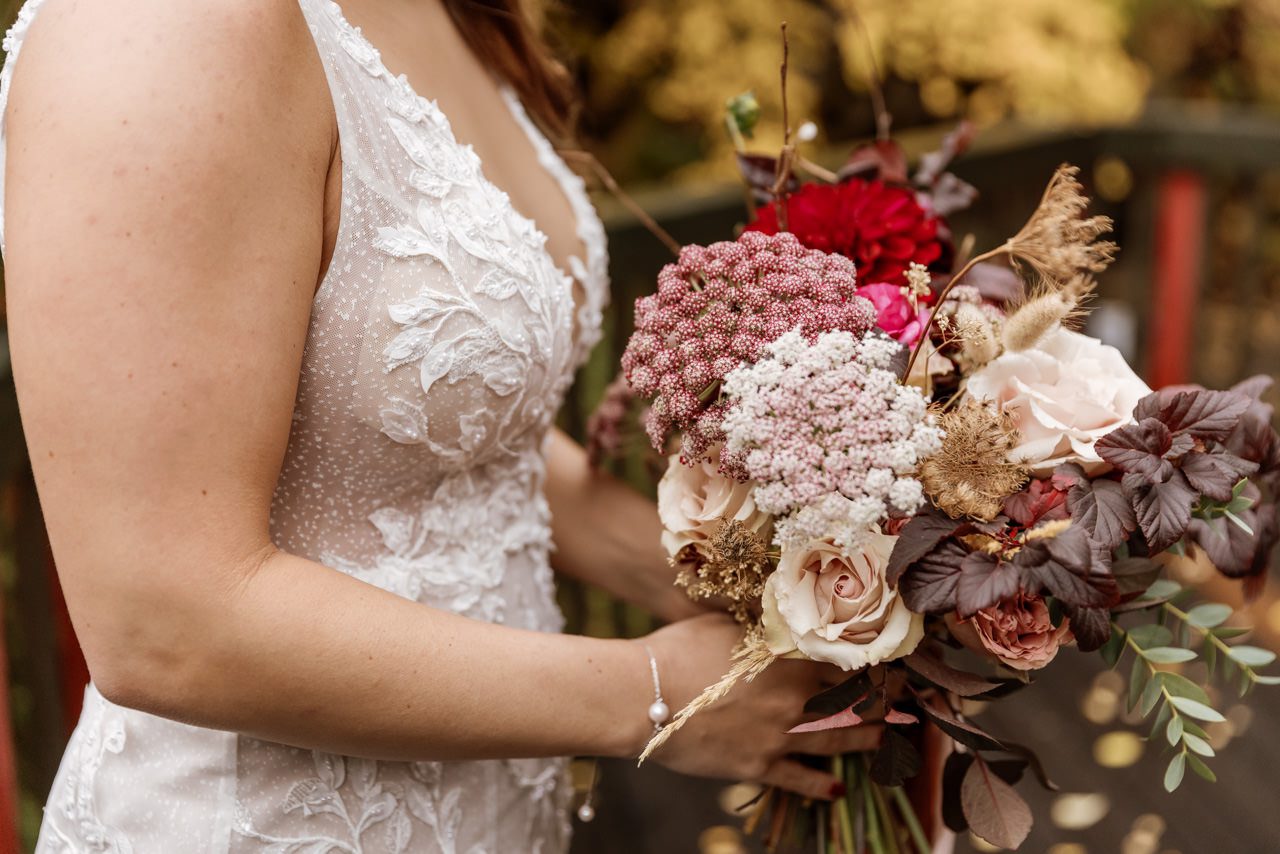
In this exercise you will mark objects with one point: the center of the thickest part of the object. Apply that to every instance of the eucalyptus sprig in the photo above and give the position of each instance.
(1179, 703)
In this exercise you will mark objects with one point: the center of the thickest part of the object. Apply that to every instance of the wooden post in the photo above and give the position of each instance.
(1179, 259)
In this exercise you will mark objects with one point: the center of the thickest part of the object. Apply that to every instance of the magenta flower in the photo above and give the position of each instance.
(895, 313)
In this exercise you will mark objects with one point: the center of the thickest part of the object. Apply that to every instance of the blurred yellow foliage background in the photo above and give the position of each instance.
(656, 73)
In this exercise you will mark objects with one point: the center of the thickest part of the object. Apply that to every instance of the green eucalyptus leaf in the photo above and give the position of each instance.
(1252, 656)
(1198, 744)
(1113, 648)
(1162, 718)
(1209, 650)
(1162, 588)
(1174, 731)
(1150, 696)
(1198, 766)
(1208, 615)
(1229, 632)
(1188, 706)
(1194, 728)
(1139, 676)
(1151, 635)
(1266, 680)
(1168, 655)
(1180, 686)
(1173, 774)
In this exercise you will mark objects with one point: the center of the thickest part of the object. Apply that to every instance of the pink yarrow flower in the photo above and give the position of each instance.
(716, 309)
(830, 436)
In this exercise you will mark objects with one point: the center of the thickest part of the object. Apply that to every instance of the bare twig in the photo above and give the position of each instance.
(884, 119)
(783, 174)
(589, 160)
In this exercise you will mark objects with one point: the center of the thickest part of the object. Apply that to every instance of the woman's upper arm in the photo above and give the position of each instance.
(165, 180)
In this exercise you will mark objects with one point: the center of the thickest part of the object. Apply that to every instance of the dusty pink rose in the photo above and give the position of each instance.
(1019, 632)
(894, 313)
(827, 603)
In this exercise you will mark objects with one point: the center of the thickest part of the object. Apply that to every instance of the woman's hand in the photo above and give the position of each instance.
(744, 735)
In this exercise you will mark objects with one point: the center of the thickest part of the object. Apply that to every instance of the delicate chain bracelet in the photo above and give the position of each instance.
(659, 713)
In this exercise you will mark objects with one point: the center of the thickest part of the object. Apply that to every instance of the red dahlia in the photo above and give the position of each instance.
(881, 228)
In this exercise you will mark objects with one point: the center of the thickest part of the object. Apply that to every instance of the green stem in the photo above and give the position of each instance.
(918, 837)
(1207, 634)
(888, 826)
(873, 822)
(1137, 650)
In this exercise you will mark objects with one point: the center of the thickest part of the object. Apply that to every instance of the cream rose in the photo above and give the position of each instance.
(693, 501)
(1065, 393)
(1020, 632)
(824, 604)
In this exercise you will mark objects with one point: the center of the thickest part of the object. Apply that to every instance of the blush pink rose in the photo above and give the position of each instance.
(894, 313)
(1020, 633)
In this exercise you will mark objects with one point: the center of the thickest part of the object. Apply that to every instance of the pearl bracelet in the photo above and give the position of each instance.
(659, 713)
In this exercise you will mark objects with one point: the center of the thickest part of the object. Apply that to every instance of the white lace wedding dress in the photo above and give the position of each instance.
(441, 344)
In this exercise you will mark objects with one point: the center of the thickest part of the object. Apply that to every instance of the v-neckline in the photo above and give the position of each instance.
(378, 68)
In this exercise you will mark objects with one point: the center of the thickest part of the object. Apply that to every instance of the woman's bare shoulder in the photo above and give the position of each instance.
(195, 73)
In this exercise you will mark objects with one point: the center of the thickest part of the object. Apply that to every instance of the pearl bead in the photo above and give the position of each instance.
(586, 813)
(659, 712)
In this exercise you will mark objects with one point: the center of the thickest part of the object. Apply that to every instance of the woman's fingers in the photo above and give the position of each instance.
(831, 742)
(809, 782)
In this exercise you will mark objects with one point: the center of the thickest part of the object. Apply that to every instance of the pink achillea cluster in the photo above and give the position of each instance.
(830, 436)
(716, 309)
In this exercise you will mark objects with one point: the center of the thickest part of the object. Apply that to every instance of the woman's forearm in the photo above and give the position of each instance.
(303, 654)
(607, 534)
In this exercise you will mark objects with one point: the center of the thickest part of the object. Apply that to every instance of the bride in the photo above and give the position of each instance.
(292, 306)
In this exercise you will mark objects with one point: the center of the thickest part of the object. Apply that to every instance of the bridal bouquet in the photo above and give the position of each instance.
(910, 465)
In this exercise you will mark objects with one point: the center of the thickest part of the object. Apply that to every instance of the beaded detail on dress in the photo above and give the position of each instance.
(441, 344)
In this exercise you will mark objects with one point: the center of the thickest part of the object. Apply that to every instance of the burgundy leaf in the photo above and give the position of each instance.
(929, 585)
(1164, 512)
(1134, 575)
(1139, 449)
(1215, 475)
(962, 731)
(1101, 507)
(950, 194)
(1181, 444)
(953, 771)
(996, 282)
(897, 716)
(882, 159)
(947, 677)
(984, 581)
(1064, 567)
(896, 761)
(760, 172)
(1037, 767)
(955, 143)
(994, 810)
(1206, 415)
(848, 693)
(1039, 501)
(845, 718)
(917, 538)
(1228, 548)
(1091, 626)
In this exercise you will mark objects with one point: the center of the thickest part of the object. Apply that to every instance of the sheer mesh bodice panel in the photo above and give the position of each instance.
(442, 341)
